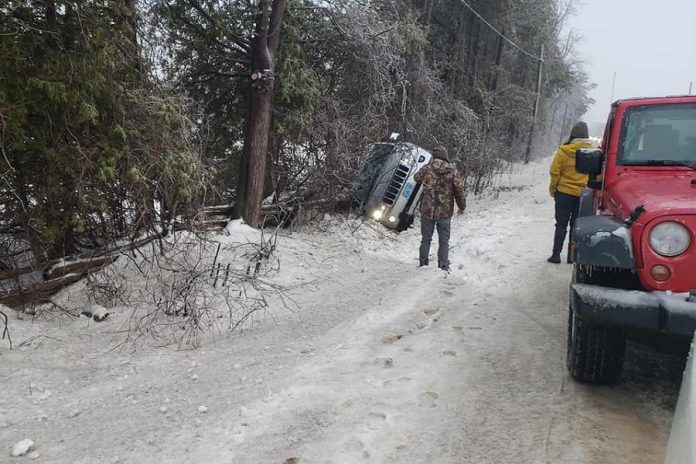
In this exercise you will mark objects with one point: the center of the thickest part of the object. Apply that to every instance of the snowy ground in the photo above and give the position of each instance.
(378, 362)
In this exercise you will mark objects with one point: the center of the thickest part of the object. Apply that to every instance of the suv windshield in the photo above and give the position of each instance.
(659, 135)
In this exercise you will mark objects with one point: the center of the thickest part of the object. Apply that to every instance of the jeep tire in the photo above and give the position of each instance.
(595, 352)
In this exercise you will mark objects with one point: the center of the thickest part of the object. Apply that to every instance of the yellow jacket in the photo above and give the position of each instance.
(564, 177)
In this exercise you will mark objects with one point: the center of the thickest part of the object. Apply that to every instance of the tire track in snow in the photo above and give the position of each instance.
(370, 355)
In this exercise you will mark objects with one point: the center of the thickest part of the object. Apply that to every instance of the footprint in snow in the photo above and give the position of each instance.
(428, 399)
(375, 420)
(431, 311)
(356, 445)
(389, 339)
(400, 380)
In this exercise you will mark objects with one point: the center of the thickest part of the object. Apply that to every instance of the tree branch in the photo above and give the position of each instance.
(239, 41)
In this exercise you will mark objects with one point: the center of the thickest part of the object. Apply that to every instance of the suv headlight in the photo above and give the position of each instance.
(670, 239)
(406, 158)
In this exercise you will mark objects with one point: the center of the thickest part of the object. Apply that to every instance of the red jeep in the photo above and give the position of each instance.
(634, 243)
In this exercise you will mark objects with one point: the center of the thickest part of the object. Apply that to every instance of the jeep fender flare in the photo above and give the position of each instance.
(602, 241)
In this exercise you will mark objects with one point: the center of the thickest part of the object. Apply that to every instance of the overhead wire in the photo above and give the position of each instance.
(500, 34)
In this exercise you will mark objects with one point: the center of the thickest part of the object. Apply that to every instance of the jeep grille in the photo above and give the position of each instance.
(397, 182)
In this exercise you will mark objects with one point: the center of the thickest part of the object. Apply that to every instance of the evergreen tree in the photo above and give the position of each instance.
(88, 143)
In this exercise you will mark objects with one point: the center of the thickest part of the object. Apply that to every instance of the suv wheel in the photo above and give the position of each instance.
(595, 352)
(405, 221)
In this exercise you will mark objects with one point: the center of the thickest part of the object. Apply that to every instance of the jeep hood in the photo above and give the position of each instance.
(662, 194)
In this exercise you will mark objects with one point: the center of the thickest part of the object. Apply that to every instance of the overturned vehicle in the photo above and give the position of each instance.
(385, 189)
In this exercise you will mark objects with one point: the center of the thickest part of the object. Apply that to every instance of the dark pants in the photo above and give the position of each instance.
(428, 226)
(567, 208)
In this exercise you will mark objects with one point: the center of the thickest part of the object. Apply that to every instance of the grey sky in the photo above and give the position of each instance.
(650, 44)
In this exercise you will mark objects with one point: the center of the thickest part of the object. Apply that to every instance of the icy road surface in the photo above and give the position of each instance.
(380, 362)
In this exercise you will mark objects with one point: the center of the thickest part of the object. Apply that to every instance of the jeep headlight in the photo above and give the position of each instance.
(377, 214)
(406, 158)
(670, 239)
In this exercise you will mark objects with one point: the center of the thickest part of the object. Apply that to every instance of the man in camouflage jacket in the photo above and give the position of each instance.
(442, 186)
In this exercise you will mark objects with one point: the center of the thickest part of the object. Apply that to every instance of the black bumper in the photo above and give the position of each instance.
(649, 311)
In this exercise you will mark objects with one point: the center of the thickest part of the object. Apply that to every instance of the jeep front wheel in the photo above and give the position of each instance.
(595, 353)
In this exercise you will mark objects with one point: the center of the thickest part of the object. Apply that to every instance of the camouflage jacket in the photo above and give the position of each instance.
(442, 186)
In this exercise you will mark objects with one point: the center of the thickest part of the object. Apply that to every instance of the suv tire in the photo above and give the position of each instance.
(595, 353)
(405, 221)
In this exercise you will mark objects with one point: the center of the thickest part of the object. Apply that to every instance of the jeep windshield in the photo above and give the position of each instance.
(659, 135)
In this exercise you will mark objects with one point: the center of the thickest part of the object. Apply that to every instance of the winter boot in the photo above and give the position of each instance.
(555, 258)
(424, 263)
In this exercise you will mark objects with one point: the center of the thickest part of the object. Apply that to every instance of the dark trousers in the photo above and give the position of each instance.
(567, 208)
(428, 226)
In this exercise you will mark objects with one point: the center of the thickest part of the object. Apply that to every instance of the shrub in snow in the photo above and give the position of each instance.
(187, 284)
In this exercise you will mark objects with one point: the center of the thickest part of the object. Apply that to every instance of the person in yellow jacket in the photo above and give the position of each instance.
(566, 186)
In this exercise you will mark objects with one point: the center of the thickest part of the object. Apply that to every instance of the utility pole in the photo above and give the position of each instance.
(535, 112)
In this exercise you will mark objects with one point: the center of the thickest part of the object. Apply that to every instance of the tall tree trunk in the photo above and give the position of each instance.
(64, 244)
(259, 126)
(31, 234)
(459, 40)
(473, 58)
(428, 12)
(241, 193)
(498, 58)
(50, 15)
(265, 45)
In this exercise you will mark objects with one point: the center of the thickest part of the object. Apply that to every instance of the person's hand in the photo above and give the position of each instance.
(460, 211)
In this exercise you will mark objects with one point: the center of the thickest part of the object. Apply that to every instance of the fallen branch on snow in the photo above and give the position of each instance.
(5, 330)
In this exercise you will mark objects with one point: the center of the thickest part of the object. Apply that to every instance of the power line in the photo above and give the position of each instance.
(502, 36)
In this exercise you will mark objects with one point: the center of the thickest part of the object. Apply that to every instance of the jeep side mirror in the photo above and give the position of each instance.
(590, 161)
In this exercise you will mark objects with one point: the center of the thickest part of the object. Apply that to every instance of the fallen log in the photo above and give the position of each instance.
(221, 210)
(78, 267)
(11, 274)
(47, 267)
(39, 292)
(212, 224)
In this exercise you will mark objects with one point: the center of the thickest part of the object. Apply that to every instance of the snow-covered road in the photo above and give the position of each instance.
(380, 362)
